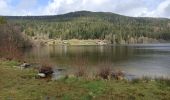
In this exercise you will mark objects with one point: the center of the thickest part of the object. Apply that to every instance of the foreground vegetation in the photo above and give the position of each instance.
(115, 28)
(21, 84)
(12, 40)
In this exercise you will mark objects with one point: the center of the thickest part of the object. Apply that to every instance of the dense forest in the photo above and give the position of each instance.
(94, 25)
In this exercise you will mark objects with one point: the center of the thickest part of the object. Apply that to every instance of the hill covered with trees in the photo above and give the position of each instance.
(94, 25)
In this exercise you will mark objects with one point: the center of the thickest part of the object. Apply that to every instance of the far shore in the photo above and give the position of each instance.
(74, 42)
(88, 42)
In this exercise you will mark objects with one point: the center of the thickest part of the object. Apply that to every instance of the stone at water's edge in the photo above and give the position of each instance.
(41, 75)
(49, 71)
(46, 70)
(25, 65)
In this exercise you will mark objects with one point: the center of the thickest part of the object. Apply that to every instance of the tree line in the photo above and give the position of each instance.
(94, 25)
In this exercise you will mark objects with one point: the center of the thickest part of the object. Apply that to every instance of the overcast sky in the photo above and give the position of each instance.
(147, 8)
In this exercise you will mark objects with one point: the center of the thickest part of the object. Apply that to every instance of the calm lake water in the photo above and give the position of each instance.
(139, 60)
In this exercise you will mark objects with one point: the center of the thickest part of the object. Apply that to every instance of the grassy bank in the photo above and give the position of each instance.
(72, 42)
(21, 84)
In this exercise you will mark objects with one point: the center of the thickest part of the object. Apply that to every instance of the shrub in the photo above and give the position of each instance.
(46, 69)
(136, 80)
(11, 42)
(3, 20)
(104, 72)
(118, 75)
(163, 80)
(10, 51)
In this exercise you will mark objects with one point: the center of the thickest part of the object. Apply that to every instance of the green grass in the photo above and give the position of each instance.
(18, 84)
(9, 63)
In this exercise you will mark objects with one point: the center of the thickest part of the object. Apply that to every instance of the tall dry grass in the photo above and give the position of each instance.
(104, 72)
(81, 72)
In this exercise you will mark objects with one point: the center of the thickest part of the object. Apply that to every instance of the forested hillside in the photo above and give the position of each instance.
(94, 25)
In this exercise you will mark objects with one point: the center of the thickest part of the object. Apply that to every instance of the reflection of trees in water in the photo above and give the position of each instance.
(90, 54)
(133, 59)
(86, 55)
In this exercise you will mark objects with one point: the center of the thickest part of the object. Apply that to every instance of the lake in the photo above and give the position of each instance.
(140, 60)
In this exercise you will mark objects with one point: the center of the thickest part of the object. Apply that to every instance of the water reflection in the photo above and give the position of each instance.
(135, 59)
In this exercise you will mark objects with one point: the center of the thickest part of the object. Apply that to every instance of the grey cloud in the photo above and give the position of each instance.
(167, 11)
(127, 7)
